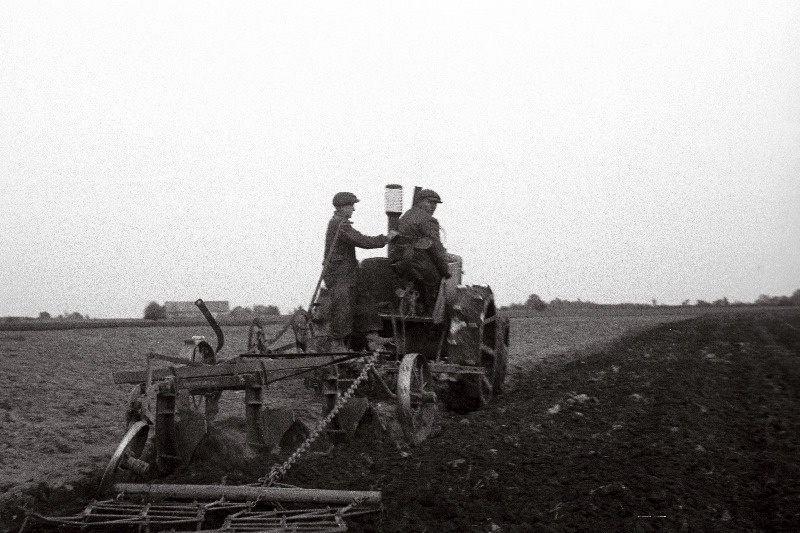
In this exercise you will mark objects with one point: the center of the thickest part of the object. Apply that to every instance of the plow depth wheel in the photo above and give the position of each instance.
(416, 400)
(128, 458)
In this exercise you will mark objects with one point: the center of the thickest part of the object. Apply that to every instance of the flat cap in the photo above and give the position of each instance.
(344, 198)
(428, 194)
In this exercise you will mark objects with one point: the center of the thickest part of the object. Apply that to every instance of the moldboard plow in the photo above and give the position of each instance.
(451, 354)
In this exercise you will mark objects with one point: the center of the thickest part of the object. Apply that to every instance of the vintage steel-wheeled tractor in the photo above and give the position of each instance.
(451, 351)
(454, 349)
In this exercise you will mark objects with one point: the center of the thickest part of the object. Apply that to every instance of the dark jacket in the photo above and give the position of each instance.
(419, 231)
(343, 265)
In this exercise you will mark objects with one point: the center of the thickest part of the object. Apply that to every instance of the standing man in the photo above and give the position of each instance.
(419, 254)
(349, 303)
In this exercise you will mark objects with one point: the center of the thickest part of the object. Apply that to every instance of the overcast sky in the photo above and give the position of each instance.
(608, 151)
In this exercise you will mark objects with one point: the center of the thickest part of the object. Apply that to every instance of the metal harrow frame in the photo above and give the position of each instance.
(146, 516)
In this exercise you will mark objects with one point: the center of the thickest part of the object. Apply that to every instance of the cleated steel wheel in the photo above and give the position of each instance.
(500, 362)
(477, 338)
(416, 399)
(129, 457)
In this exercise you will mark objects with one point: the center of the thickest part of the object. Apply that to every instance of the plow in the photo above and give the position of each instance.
(450, 355)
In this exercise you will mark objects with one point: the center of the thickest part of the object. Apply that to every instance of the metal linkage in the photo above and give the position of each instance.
(278, 471)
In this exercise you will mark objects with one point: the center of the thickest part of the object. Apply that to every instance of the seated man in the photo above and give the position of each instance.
(417, 254)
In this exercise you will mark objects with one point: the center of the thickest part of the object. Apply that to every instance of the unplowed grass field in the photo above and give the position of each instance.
(635, 421)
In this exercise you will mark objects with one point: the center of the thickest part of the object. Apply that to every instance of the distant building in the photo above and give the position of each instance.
(189, 310)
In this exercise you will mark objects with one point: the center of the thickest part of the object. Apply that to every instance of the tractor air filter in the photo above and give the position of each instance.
(394, 199)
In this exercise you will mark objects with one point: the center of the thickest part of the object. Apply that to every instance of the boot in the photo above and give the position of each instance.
(376, 343)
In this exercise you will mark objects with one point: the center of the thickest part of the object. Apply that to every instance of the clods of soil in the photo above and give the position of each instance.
(689, 426)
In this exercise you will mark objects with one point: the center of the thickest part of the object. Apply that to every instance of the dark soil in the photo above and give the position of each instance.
(692, 426)
(689, 426)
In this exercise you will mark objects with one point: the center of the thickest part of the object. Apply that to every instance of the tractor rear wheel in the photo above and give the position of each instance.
(476, 339)
(500, 364)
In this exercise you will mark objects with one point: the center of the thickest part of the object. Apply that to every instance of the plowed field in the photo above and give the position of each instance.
(627, 423)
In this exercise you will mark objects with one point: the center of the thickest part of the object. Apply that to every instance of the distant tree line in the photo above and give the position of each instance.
(536, 303)
(764, 299)
(794, 299)
(66, 315)
(257, 310)
(155, 311)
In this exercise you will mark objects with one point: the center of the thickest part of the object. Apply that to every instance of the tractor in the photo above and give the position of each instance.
(449, 353)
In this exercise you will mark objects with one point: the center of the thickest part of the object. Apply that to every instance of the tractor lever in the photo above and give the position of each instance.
(211, 322)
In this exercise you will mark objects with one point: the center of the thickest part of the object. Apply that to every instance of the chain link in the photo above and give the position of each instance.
(278, 471)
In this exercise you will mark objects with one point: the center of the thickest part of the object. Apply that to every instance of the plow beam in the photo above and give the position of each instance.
(248, 493)
(235, 368)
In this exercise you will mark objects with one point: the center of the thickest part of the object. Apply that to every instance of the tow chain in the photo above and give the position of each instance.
(278, 471)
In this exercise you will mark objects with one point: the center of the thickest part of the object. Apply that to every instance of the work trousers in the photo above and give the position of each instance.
(352, 309)
(421, 270)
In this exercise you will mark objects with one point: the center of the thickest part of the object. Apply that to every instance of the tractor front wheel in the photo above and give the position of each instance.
(416, 399)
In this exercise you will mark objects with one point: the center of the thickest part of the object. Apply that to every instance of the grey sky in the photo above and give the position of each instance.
(608, 151)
